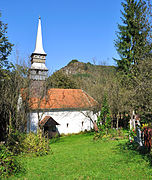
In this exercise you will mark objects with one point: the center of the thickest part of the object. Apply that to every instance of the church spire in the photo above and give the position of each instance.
(39, 44)
(38, 70)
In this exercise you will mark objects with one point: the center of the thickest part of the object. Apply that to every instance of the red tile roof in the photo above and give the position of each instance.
(63, 99)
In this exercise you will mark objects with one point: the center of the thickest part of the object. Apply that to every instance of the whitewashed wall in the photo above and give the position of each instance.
(74, 120)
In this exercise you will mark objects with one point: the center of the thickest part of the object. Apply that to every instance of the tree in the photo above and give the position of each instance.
(5, 50)
(10, 89)
(134, 36)
(5, 46)
(140, 86)
(104, 119)
(61, 80)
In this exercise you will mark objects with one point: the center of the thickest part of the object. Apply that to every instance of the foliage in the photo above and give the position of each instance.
(132, 133)
(61, 80)
(113, 134)
(88, 63)
(141, 88)
(10, 89)
(104, 119)
(144, 125)
(8, 162)
(15, 142)
(73, 61)
(134, 36)
(5, 46)
(85, 75)
(19, 143)
(36, 143)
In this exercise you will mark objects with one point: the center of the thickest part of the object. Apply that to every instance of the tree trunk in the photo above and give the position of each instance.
(10, 122)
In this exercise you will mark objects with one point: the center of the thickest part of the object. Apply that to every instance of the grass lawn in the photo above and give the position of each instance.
(79, 157)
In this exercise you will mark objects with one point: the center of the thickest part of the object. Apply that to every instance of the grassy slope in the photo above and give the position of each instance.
(79, 157)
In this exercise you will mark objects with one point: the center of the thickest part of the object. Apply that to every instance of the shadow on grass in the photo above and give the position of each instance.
(56, 140)
(134, 149)
(63, 138)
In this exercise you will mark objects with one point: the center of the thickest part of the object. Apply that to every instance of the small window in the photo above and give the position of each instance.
(67, 125)
(82, 123)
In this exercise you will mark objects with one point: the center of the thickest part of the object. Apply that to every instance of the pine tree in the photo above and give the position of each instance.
(134, 37)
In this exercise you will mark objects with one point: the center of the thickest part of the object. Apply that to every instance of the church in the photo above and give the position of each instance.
(56, 111)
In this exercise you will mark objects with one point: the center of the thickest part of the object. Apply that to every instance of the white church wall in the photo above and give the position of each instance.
(70, 121)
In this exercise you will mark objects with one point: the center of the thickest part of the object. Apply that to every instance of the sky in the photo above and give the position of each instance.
(72, 29)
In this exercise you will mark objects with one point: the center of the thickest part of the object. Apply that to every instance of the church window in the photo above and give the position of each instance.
(82, 123)
(67, 125)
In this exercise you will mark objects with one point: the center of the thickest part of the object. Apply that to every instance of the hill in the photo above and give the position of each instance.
(89, 77)
(77, 68)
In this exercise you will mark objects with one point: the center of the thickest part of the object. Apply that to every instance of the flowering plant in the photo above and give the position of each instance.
(144, 125)
(132, 134)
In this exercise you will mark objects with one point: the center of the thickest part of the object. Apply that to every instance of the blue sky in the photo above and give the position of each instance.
(72, 29)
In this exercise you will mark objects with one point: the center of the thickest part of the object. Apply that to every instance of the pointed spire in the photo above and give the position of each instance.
(39, 45)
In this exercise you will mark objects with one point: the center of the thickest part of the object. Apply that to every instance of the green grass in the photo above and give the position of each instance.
(79, 157)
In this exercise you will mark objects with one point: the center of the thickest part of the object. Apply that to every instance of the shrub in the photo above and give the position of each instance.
(20, 143)
(113, 134)
(15, 142)
(27, 143)
(36, 143)
(8, 163)
(104, 119)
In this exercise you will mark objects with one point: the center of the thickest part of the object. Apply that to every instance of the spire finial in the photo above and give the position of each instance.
(39, 44)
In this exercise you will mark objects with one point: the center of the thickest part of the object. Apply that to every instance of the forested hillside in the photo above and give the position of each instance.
(86, 76)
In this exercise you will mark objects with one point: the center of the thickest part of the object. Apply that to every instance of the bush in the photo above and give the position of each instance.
(113, 134)
(36, 143)
(19, 143)
(8, 162)
(15, 142)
